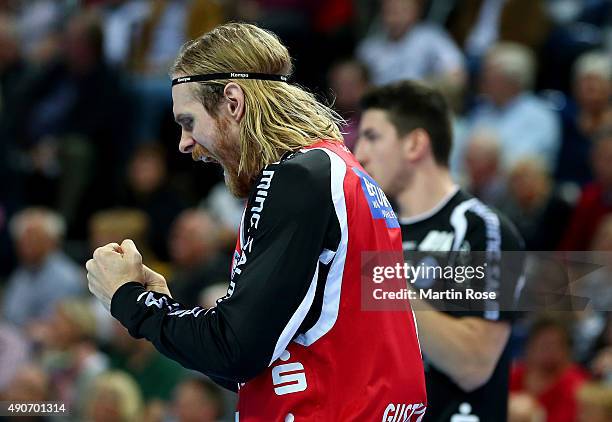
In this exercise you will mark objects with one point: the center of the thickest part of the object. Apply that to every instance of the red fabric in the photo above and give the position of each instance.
(591, 209)
(365, 365)
(559, 400)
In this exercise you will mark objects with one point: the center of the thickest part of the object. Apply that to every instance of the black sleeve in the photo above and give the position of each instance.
(284, 231)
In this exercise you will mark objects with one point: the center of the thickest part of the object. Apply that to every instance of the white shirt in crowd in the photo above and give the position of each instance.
(425, 51)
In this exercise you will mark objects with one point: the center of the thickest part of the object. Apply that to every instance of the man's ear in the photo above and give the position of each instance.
(234, 101)
(417, 144)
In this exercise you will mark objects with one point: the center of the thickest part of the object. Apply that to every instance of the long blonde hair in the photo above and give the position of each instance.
(279, 116)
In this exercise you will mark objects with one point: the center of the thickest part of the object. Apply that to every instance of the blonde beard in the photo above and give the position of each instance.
(227, 153)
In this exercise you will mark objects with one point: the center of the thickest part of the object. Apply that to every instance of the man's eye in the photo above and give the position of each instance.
(369, 137)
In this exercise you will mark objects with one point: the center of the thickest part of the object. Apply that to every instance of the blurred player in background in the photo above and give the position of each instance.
(405, 142)
(289, 333)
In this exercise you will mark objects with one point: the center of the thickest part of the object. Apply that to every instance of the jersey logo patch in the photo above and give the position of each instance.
(380, 207)
(289, 377)
(402, 412)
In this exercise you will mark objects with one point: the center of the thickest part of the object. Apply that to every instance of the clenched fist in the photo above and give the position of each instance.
(112, 266)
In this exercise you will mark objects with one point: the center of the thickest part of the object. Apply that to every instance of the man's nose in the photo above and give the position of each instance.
(360, 153)
(186, 144)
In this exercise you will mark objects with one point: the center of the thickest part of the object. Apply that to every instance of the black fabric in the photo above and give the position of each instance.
(433, 233)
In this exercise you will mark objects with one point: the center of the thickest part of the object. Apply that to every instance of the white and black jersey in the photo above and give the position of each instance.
(462, 230)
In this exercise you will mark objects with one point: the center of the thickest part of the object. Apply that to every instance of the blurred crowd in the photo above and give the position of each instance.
(89, 155)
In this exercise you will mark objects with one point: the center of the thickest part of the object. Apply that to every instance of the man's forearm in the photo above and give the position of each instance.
(466, 349)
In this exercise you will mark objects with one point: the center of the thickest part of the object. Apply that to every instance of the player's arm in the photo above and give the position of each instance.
(274, 286)
(466, 349)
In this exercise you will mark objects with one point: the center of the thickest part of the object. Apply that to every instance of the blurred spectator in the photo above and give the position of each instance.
(584, 116)
(485, 178)
(14, 352)
(197, 400)
(155, 411)
(227, 210)
(168, 24)
(524, 408)
(118, 224)
(579, 26)
(69, 126)
(407, 48)
(14, 73)
(144, 36)
(547, 372)
(39, 22)
(196, 257)
(596, 284)
(535, 206)
(348, 81)
(315, 31)
(525, 124)
(602, 241)
(12, 64)
(149, 190)
(478, 24)
(156, 375)
(161, 31)
(30, 384)
(122, 21)
(114, 398)
(592, 11)
(596, 198)
(595, 402)
(589, 322)
(601, 354)
(69, 353)
(45, 274)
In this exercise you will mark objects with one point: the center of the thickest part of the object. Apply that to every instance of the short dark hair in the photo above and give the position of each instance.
(412, 105)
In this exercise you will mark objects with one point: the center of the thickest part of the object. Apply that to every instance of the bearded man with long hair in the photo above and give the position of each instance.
(291, 334)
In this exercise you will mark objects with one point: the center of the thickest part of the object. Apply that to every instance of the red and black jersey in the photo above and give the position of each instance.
(291, 333)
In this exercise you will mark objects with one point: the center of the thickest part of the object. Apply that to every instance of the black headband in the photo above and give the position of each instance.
(230, 75)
